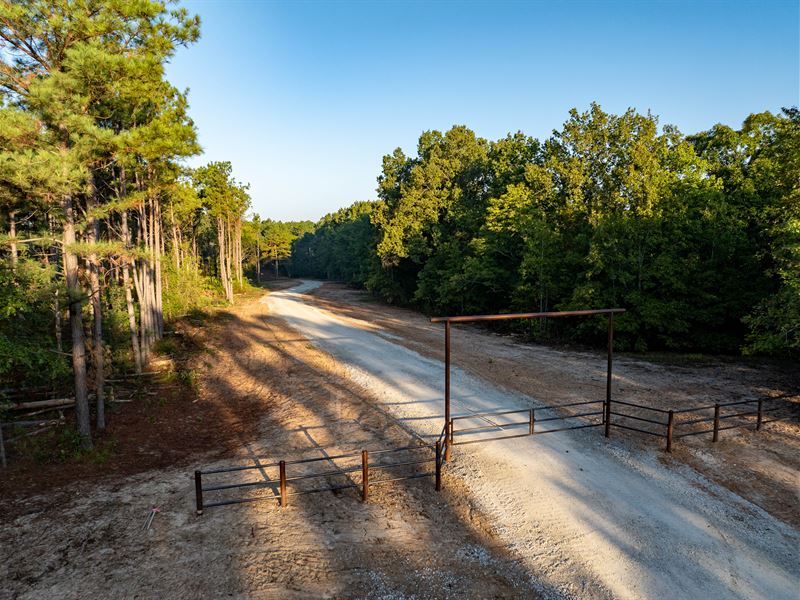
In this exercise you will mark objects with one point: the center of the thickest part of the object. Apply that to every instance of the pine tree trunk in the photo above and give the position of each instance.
(228, 272)
(239, 268)
(175, 245)
(195, 258)
(258, 260)
(181, 250)
(145, 284)
(76, 326)
(3, 461)
(12, 234)
(140, 279)
(158, 252)
(56, 299)
(231, 254)
(126, 282)
(57, 321)
(224, 274)
(93, 235)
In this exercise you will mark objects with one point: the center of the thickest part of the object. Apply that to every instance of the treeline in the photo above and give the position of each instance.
(698, 237)
(108, 235)
(268, 246)
(341, 246)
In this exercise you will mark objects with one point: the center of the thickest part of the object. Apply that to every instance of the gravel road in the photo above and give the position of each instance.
(589, 517)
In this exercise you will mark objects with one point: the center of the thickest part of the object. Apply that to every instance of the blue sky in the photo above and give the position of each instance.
(304, 98)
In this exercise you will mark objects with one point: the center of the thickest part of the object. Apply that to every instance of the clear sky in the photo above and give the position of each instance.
(304, 98)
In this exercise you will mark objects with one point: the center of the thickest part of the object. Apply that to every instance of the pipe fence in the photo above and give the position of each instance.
(529, 423)
(667, 424)
(371, 461)
(721, 415)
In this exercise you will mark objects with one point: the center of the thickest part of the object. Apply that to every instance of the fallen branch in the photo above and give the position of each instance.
(30, 433)
(33, 413)
(40, 422)
(60, 403)
(54, 403)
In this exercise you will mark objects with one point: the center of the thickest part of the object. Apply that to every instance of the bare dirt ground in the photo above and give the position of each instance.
(262, 391)
(762, 467)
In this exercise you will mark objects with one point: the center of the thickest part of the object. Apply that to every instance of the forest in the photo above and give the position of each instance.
(107, 235)
(696, 236)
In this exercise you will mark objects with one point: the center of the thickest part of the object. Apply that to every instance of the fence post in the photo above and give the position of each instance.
(198, 491)
(716, 423)
(532, 421)
(447, 422)
(364, 475)
(438, 465)
(760, 415)
(283, 482)
(608, 374)
(670, 425)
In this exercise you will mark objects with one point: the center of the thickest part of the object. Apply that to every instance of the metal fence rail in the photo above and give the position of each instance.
(651, 419)
(280, 488)
(530, 422)
(758, 411)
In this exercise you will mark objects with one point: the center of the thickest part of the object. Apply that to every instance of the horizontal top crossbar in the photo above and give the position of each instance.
(536, 315)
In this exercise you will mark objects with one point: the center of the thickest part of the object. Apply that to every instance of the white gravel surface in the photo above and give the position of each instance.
(589, 517)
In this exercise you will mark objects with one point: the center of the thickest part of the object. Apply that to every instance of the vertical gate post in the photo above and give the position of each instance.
(448, 424)
(716, 423)
(438, 465)
(198, 491)
(283, 482)
(760, 415)
(364, 475)
(607, 411)
(531, 421)
(670, 427)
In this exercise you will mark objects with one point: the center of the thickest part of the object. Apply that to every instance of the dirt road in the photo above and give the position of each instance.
(589, 517)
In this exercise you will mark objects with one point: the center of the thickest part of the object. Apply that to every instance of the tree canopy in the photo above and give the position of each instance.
(696, 236)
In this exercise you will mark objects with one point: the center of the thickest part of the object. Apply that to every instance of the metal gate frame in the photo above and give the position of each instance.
(608, 312)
